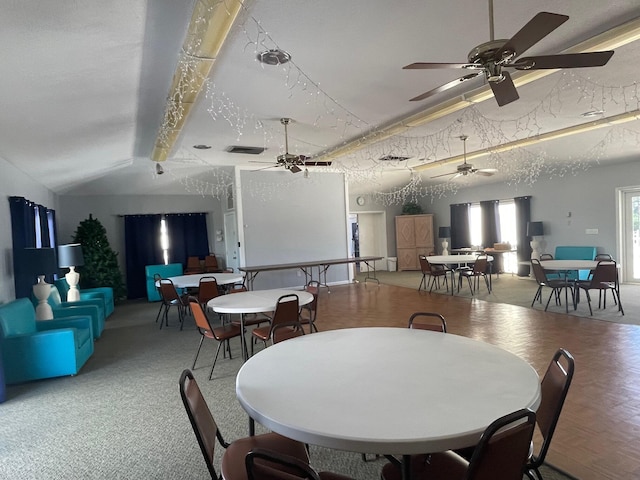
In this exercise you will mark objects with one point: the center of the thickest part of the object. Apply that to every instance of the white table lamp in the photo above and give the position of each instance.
(535, 230)
(70, 256)
(444, 233)
(40, 262)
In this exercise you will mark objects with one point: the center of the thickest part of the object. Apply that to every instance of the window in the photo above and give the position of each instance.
(164, 241)
(507, 209)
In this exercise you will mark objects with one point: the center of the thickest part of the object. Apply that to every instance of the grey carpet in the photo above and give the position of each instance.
(122, 416)
(520, 291)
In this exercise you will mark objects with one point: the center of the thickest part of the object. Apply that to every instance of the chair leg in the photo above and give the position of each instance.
(193, 367)
(215, 360)
(159, 311)
(537, 296)
(424, 276)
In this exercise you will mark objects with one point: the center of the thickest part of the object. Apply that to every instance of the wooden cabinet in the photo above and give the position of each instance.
(414, 236)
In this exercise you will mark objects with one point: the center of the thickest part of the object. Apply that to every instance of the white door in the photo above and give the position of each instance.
(630, 234)
(373, 237)
(231, 241)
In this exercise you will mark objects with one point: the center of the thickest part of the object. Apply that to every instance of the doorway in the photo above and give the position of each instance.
(231, 241)
(368, 237)
(629, 233)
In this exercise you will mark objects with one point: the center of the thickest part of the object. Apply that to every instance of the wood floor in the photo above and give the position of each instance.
(598, 435)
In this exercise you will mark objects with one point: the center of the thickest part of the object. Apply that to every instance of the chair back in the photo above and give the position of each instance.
(554, 388)
(287, 310)
(263, 464)
(435, 323)
(424, 264)
(193, 265)
(538, 272)
(313, 287)
(202, 421)
(17, 318)
(606, 271)
(168, 291)
(211, 264)
(503, 449)
(201, 319)
(207, 289)
(480, 265)
(603, 256)
(545, 256)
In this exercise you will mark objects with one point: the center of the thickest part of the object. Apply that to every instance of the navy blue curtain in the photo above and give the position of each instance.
(490, 219)
(523, 217)
(460, 235)
(23, 235)
(187, 236)
(142, 247)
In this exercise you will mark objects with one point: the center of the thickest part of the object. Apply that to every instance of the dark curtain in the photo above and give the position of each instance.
(490, 219)
(187, 236)
(142, 247)
(460, 235)
(523, 216)
(23, 235)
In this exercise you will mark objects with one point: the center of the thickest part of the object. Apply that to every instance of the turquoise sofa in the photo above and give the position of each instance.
(92, 308)
(104, 293)
(576, 253)
(165, 271)
(35, 349)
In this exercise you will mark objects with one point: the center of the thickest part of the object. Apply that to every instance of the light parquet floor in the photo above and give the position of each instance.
(597, 436)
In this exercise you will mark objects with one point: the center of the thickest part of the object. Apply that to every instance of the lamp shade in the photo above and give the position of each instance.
(444, 232)
(70, 255)
(38, 261)
(534, 229)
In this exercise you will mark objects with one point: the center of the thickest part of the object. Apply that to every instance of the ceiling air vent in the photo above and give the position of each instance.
(245, 150)
(393, 158)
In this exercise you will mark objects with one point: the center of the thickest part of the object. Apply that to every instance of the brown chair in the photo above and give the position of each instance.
(220, 334)
(285, 331)
(604, 278)
(431, 274)
(264, 464)
(417, 321)
(287, 312)
(171, 298)
(206, 430)
(556, 285)
(554, 388)
(193, 266)
(207, 290)
(501, 454)
(309, 312)
(211, 264)
(478, 271)
(156, 281)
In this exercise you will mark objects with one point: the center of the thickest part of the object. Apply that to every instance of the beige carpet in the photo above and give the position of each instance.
(516, 290)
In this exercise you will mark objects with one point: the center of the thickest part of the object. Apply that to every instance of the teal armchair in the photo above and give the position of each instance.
(35, 349)
(92, 308)
(103, 293)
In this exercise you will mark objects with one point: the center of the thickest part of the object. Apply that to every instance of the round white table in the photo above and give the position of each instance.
(192, 281)
(254, 301)
(455, 259)
(385, 390)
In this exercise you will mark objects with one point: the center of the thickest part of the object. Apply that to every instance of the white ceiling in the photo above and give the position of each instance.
(84, 88)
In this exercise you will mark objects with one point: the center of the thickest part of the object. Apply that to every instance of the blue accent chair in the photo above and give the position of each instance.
(35, 349)
(165, 271)
(105, 293)
(566, 252)
(91, 308)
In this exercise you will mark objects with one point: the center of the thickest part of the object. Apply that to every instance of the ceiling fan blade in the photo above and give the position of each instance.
(294, 169)
(535, 30)
(504, 91)
(486, 172)
(567, 60)
(311, 163)
(457, 175)
(428, 65)
(264, 168)
(444, 87)
(445, 174)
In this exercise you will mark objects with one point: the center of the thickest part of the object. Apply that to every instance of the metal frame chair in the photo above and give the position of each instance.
(439, 326)
(556, 285)
(264, 464)
(605, 277)
(170, 297)
(287, 312)
(311, 309)
(479, 270)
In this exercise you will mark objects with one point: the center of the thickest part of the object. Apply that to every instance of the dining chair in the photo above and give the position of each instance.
(207, 289)
(479, 270)
(285, 331)
(264, 464)
(554, 388)
(431, 274)
(171, 298)
(602, 293)
(220, 334)
(309, 312)
(211, 264)
(555, 284)
(551, 275)
(501, 454)
(604, 278)
(417, 321)
(193, 266)
(207, 433)
(286, 312)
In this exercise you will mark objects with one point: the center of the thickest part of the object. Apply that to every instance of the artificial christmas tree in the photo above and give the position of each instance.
(100, 261)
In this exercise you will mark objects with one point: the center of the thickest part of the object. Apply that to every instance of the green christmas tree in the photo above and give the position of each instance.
(100, 261)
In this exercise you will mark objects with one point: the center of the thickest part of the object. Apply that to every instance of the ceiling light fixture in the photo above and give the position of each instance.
(273, 57)
(201, 146)
(159, 169)
(592, 113)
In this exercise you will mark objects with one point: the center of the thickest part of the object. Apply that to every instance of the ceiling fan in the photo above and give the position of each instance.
(466, 168)
(290, 161)
(492, 57)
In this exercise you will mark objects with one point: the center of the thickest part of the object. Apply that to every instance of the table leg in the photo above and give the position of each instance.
(252, 427)
(243, 344)
(406, 467)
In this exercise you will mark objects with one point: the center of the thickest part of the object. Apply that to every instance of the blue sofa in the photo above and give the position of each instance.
(91, 308)
(576, 253)
(35, 349)
(104, 293)
(165, 271)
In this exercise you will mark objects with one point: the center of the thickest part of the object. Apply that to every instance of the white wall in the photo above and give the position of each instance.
(15, 183)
